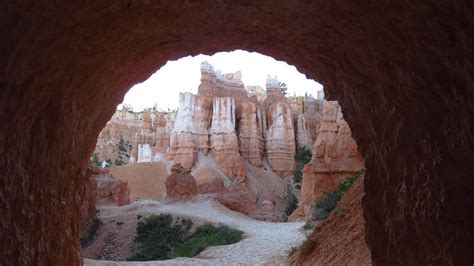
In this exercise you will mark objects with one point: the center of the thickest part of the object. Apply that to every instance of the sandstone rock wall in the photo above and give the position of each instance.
(335, 157)
(251, 143)
(280, 139)
(135, 128)
(191, 130)
(224, 141)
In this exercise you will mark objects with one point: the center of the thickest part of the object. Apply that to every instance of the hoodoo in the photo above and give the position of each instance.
(401, 71)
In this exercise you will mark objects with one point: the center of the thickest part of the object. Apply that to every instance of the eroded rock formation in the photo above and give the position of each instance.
(180, 184)
(403, 79)
(190, 134)
(280, 139)
(111, 191)
(223, 138)
(132, 137)
(335, 157)
(251, 142)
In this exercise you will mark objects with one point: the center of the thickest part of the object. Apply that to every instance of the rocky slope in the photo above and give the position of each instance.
(340, 240)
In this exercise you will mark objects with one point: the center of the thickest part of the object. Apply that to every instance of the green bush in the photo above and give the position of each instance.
(303, 155)
(95, 160)
(297, 176)
(323, 208)
(119, 162)
(290, 199)
(160, 238)
(205, 236)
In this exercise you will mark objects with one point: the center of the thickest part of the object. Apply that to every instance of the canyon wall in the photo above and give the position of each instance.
(280, 139)
(335, 157)
(235, 123)
(224, 142)
(125, 136)
(190, 134)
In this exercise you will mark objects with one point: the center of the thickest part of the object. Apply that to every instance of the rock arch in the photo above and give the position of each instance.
(402, 72)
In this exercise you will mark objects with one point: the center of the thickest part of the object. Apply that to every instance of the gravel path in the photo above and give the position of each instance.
(264, 242)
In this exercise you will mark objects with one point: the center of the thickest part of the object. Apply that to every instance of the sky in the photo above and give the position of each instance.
(184, 75)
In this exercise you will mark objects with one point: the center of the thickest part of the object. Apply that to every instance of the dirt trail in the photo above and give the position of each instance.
(264, 242)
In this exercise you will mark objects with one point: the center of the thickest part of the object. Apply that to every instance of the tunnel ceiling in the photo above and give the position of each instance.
(402, 73)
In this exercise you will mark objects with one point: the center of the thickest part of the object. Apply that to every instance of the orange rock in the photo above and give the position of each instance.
(214, 185)
(335, 157)
(191, 129)
(339, 240)
(111, 191)
(224, 142)
(250, 133)
(180, 184)
(88, 209)
(280, 139)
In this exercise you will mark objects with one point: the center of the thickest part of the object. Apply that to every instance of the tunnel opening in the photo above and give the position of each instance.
(242, 140)
(402, 73)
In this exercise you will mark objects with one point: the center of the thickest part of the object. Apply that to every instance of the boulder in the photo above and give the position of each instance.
(180, 184)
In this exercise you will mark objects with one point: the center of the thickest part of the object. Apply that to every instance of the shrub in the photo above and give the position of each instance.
(323, 208)
(303, 155)
(205, 236)
(95, 160)
(290, 199)
(297, 176)
(160, 238)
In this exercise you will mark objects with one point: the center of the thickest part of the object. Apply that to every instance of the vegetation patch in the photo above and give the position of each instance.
(291, 202)
(323, 208)
(303, 156)
(159, 238)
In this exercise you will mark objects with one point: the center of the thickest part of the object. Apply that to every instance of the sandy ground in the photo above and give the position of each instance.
(264, 242)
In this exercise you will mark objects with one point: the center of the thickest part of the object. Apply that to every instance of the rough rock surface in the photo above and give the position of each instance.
(150, 128)
(303, 138)
(223, 138)
(335, 157)
(111, 191)
(280, 139)
(403, 79)
(88, 205)
(191, 129)
(213, 185)
(215, 84)
(251, 142)
(340, 239)
(180, 184)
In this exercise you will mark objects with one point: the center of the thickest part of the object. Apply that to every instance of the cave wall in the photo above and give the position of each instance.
(402, 72)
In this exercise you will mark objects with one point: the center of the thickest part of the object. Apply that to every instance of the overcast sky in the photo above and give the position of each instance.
(163, 86)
